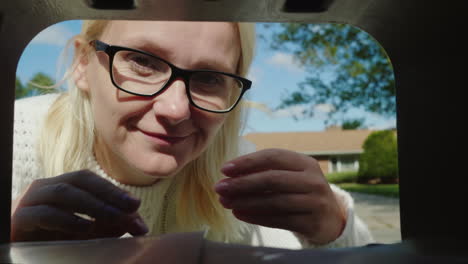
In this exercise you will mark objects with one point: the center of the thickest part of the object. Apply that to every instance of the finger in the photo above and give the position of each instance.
(29, 219)
(72, 199)
(100, 188)
(268, 159)
(272, 204)
(102, 229)
(136, 225)
(270, 181)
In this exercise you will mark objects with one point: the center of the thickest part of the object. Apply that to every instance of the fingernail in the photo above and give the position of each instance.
(141, 225)
(131, 202)
(227, 167)
(221, 186)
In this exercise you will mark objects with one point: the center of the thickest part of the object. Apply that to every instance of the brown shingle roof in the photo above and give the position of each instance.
(323, 142)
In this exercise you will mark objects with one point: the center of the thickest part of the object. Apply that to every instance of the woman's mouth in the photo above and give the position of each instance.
(163, 139)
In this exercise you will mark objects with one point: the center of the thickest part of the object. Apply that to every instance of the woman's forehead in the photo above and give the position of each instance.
(170, 30)
(169, 39)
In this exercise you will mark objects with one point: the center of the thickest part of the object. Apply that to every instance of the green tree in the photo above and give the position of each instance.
(379, 159)
(20, 90)
(351, 124)
(38, 84)
(345, 67)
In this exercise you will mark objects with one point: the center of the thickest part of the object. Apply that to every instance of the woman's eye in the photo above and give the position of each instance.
(143, 65)
(209, 79)
(140, 60)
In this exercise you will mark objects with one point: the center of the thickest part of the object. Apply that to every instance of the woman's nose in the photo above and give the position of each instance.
(173, 104)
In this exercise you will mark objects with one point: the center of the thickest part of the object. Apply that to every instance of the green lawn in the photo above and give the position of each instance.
(390, 190)
(342, 177)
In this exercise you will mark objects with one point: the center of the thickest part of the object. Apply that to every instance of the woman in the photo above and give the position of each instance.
(141, 141)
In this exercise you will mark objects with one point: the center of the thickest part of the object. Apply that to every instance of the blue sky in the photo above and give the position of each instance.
(272, 73)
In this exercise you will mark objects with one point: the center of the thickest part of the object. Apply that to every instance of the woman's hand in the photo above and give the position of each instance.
(282, 189)
(47, 210)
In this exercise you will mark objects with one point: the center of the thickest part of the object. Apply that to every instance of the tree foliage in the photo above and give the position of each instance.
(350, 124)
(39, 84)
(20, 90)
(345, 68)
(379, 159)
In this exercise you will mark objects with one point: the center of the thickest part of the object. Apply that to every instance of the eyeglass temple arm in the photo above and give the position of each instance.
(99, 45)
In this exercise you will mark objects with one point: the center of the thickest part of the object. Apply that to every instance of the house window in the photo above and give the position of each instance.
(344, 163)
(348, 163)
(334, 164)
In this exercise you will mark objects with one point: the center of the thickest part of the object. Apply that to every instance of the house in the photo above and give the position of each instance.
(335, 149)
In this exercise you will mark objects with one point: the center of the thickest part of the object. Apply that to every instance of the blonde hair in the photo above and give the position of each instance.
(68, 137)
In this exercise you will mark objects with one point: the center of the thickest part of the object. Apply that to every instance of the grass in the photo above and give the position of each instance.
(342, 177)
(347, 181)
(389, 190)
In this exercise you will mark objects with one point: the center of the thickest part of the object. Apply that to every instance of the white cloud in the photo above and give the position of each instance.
(284, 60)
(317, 29)
(56, 35)
(383, 124)
(292, 111)
(324, 108)
(320, 111)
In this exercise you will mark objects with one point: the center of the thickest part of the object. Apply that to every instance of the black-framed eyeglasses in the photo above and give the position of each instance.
(144, 74)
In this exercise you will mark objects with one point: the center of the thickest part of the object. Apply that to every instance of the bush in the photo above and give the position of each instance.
(389, 190)
(379, 161)
(342, 177)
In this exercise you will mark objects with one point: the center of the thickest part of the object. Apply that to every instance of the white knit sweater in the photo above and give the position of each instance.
(156, 200)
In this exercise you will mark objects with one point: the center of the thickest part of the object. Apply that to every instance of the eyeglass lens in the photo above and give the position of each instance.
(143, 74)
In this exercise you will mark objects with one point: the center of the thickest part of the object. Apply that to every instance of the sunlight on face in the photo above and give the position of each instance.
(141, 139)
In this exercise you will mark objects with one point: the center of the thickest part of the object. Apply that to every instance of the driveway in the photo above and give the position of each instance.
(381, 214)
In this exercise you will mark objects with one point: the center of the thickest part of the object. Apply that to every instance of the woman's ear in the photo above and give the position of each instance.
(79, 71)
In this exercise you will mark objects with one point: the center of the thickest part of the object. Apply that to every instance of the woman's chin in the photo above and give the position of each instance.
(147, 178)
(157, 174)
(151, 171)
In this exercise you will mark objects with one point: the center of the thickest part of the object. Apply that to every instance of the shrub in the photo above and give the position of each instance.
(379, 159)
(389, 190)
(342, 177)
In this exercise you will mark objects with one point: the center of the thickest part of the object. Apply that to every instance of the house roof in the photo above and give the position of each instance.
(329, 142)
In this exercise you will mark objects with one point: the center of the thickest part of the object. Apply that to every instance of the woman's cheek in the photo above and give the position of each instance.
(214, 127)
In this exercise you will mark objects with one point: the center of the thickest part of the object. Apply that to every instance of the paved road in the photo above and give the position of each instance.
(381, 214)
